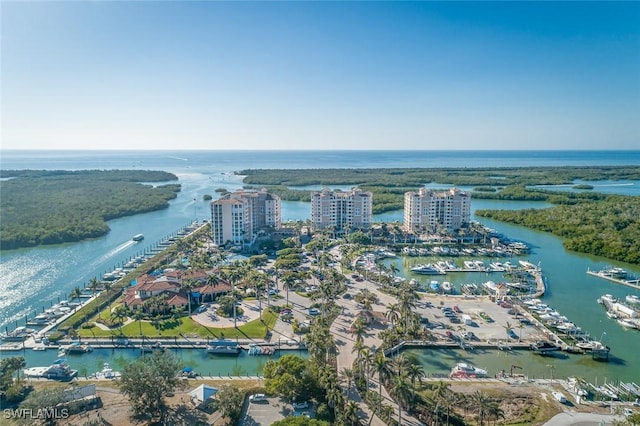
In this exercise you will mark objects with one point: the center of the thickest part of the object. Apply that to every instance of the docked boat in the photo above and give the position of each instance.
(41, 319)
(544, 346)
(261, 350)
(446, 287)
(157, 346)
(627, 323)
(427, 269)
(434, 285)
(19, 334)
(496, 267)
(59, 370)
(606, 298)
(617, 273)
(467, 371)
(138, 237)
(224, 347)
(107, 372)
(528, 265)
(77, 348)
(632, 298)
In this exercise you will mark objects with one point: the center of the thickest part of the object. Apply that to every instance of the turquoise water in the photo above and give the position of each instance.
(198, 359)
(31, 279)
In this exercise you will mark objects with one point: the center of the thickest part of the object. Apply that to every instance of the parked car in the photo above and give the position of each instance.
(457, 310)
(314, 311)
(258, 397)
(300, 405)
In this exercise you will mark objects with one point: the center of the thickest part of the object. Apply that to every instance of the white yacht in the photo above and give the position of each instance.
(632, 298)
(465, 370)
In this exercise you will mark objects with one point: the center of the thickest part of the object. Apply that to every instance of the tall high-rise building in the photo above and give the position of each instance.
(425, 210)
(338, 209)
(238, 216)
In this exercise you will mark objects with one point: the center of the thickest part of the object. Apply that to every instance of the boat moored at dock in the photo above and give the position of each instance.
(59, 370)
(224, 347)
(19, 334)
(427, 269)
(632, 298)
(463, 370)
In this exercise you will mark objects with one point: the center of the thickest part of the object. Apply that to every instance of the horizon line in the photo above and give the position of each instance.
(312, 150)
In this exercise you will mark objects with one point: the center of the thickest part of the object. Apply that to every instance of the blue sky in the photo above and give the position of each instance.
(320, 75)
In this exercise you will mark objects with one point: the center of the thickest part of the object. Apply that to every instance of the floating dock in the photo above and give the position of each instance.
(633, 283)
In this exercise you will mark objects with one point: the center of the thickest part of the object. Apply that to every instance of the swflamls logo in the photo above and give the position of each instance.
(40, 413)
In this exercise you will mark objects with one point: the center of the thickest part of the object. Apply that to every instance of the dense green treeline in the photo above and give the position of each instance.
(389, 185)
(413, 177)
(50, 207)
(609, 227)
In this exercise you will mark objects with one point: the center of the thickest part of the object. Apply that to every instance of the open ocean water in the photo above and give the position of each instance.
(33, 279)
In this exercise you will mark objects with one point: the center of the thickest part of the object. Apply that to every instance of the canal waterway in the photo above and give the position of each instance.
(33, 279)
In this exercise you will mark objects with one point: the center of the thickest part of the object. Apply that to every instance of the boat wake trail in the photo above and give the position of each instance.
(116, 250)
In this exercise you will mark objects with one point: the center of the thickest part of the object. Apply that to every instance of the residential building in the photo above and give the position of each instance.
(426, 210)
(239, 216)
(341, 209)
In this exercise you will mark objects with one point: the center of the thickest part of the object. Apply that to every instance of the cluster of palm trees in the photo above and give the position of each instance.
(446, 403)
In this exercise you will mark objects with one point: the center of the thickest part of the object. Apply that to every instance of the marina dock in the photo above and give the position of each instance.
(619, 278)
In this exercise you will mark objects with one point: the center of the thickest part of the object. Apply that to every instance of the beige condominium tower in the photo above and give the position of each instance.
(426, 210)
(341, 210)
(238, 217)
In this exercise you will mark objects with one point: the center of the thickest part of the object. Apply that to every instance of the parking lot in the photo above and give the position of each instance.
(475, 314)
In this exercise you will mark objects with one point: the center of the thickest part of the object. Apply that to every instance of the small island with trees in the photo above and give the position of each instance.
(60, 206)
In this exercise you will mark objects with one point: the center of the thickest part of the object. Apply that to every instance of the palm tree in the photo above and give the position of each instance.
(350, 413)
(441, 393)
(118, 314)
(520, 328)
(75, 293)
(138, 316)
(93, 285)
(383, 367)
(234, 275)
(495, 412)
(335, 398)
(367, 359)
(212, 281)
(453, 400)
(393, 313)
(359, 328)
(402, 392)
(415, 372)
(347, 374)
(288, 279)
(480, 404)
(401, 364)
(188, 285)
(508, 328)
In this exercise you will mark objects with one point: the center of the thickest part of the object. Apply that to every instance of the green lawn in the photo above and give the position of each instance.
(187, 327)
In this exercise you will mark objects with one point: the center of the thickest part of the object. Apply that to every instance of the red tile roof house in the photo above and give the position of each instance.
(171, 285)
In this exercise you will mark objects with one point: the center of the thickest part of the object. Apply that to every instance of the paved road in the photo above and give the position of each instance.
(581, 419)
